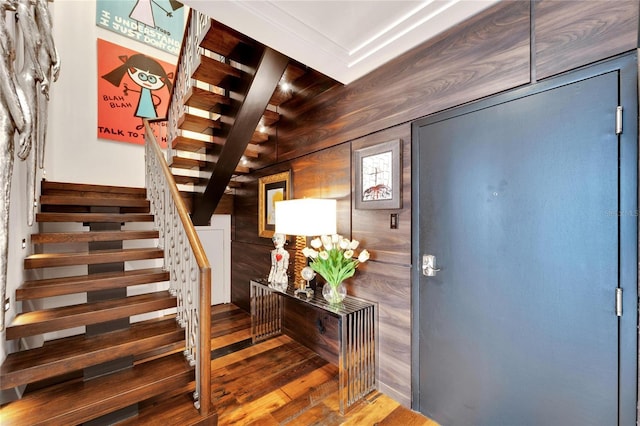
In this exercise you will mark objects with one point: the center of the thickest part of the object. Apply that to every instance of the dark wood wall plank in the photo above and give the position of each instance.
(487, 54)
(326, 174)
(250, 261)
(570, 34)
(372, 227)
(390, 286)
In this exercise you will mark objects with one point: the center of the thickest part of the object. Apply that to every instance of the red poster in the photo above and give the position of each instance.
(131, 86)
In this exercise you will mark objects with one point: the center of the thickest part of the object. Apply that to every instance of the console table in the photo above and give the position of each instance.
(357, 341)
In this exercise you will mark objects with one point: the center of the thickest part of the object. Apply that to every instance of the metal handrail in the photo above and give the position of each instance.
(190, 272)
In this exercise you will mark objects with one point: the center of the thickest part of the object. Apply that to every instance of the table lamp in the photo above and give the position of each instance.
(304, 217)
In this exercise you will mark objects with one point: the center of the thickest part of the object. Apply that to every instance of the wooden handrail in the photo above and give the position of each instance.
(204, 306)
(194, 240)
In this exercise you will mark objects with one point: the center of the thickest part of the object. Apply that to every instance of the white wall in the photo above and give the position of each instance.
(74, 153)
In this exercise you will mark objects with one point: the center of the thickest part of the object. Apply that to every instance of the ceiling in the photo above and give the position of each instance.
(341, 39)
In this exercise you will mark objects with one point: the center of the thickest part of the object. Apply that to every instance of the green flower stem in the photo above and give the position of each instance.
(336, 268)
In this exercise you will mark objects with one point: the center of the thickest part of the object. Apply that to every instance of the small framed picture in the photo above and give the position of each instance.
(271, 189)
(378, 171)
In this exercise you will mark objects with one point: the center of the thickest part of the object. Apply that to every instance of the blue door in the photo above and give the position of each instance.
(518, 200)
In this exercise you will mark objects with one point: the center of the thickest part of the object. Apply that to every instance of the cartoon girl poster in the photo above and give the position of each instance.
(131, 87)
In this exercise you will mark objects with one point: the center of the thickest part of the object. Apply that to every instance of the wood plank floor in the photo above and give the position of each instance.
(275, 382)
(280, 382)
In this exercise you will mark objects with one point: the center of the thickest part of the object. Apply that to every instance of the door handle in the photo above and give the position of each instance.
(429, 265)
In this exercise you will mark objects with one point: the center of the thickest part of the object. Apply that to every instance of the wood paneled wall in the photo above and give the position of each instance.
(572, 33)
(490, 53)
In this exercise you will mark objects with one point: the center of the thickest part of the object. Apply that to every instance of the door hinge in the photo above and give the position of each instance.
(618, 302)
(618, 120)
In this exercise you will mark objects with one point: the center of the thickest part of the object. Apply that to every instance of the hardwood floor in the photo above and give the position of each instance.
(279, 382)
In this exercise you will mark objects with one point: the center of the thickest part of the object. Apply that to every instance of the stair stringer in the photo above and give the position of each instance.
(268, 73)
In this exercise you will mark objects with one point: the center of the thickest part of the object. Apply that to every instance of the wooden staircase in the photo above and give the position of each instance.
(99, 376)
(228, 113)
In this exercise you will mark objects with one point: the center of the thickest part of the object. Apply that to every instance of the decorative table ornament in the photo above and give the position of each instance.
(278, 279)
(307, 274)
(334, 258)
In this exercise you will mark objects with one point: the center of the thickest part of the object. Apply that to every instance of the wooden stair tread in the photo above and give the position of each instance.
(35, 289)
(214, 72)
(183, 143)
(198, 124)
(47, 320)
(269, 117)
(187, 163)
(259, 137)
(251, 151)
(48, 186)
(92, 236)
(197, 97)
(44, 260)
(222, 40)
(93, 217)
(186, 180)
(75, 353)
(100, 200)
(80, 401)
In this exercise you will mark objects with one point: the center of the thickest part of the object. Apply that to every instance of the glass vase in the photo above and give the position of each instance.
(334, 294)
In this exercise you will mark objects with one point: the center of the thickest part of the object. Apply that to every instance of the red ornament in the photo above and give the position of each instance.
(278, 257)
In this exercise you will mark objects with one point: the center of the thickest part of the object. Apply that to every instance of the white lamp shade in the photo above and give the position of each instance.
(306, 217)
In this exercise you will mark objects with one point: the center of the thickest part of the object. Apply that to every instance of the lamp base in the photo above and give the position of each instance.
(300, 261)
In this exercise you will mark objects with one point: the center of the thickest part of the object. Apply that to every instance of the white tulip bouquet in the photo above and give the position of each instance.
(334, 258)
